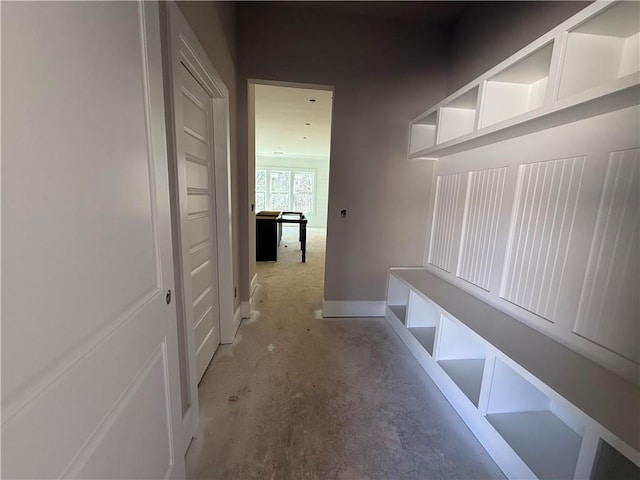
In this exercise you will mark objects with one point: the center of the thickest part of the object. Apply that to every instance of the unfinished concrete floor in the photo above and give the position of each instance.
(299, 397)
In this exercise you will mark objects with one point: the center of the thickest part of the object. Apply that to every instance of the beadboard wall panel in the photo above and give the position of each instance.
(540, 234)
(445, 221)
(484, 198)
(565, 259)
(609, 306)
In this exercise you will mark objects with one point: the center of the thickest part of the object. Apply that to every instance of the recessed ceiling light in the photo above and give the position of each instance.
(312, 100)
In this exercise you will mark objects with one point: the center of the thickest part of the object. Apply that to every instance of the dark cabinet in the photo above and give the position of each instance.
(267, 236)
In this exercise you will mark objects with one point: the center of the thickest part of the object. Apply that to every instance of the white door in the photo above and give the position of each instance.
(90, 383)
(201, 186)
(196, 193)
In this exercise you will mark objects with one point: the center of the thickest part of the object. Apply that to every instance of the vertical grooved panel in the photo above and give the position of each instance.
(480, 225)
(444, 221)
(609, 308)
(546, 199)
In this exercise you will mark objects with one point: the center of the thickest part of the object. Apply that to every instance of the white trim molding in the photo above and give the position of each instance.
(254, 285)
(237, 318)
(347, 308)
(245, 309)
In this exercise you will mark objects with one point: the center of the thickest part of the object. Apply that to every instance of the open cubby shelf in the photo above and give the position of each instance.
(531, 430)
(423, 133)
(400, 311)
(602, 49)
(591, 61)
(546, 444)
(466, 374)
(424, 335)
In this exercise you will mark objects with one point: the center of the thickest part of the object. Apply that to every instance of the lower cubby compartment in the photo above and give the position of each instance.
(545, 443)
(610, 463)
(524, 416)
(398, 298)
(461, 355)
(399, 311)
(466, 374)
(425, 336)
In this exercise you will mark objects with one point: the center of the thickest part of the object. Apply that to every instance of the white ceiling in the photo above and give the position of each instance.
(281, 117)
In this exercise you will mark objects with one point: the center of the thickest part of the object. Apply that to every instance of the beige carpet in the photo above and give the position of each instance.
(290, 276)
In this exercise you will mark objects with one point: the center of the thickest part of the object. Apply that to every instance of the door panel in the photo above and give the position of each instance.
(197, 117)
(197, 204)
(143, 405)
(200, 254)
(204, 302)
(89, 349)
(201, 279)
(197, 175)
(199, 230)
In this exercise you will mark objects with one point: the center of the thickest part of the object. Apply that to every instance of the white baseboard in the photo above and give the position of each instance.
(245, 309)
(341, 308)
(254, 285)
(237, 317)
(188, 430)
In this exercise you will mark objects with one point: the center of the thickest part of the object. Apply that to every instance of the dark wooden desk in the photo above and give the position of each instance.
(299, 218)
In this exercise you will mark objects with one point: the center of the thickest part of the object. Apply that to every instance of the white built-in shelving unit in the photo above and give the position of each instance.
(540, 409)
(587, 64)
(525, 312)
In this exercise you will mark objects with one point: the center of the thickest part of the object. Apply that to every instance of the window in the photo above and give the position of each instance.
(261, 190)
(285, 190)
(280, 190)
(303, 190)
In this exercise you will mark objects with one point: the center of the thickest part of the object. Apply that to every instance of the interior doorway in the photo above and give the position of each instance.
(291, 158)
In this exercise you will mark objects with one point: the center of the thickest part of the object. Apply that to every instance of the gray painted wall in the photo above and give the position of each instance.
(384, 74)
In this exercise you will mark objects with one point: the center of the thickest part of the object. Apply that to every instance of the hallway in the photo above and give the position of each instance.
(297, 396)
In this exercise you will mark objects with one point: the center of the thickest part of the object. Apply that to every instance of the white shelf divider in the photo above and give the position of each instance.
(421, 312)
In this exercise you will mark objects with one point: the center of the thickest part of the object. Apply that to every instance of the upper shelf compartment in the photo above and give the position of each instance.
(458, 117)
(602, 49)
(423, 133)
(517, 89)
(587, 66)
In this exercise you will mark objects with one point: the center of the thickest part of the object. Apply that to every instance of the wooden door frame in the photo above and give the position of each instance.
(183, 48)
